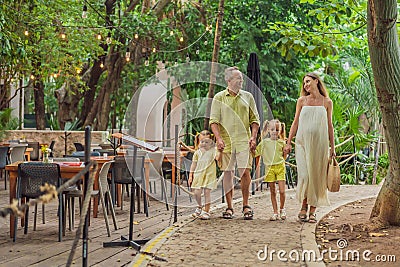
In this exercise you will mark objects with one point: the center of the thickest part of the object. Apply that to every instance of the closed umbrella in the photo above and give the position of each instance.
(254, 84)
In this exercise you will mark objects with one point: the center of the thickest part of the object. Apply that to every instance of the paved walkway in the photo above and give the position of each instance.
(221, 242)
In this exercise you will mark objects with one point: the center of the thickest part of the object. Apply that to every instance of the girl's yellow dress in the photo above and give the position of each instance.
(205, 174)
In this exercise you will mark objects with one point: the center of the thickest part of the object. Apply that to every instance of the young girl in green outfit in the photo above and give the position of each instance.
(271, 151)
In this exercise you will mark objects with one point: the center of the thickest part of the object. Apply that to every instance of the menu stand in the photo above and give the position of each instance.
(129, 242)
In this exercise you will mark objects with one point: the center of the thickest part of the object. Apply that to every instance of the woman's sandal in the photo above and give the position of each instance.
(248, 215)
(228, 213)
(303, 216)
(312, 218)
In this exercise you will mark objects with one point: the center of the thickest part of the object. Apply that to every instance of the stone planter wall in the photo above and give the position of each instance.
(46, 136)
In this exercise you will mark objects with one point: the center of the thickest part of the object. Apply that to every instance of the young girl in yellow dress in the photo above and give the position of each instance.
(203, 172)
(271, 151)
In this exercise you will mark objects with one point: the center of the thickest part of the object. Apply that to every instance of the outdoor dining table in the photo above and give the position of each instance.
(68, 170)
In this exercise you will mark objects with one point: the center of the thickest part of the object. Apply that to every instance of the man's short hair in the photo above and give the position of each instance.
(229, 72)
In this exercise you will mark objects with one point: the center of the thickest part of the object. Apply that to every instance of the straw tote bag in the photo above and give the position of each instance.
(333, 178)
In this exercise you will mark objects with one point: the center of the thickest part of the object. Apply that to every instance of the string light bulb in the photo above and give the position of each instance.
(98, 36)
(205, 42)
(102, 63)
(63, 36)
(108, 39)
(136, 36)
(171, 33)
(32, 77)
(187, 58)
(127, 54)
(176, 62)
(84, 12)
(154, 50)
(146, 62)
(26, 32)
(181, 39)
(197, 51)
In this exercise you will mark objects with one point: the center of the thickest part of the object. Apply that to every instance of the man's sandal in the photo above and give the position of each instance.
(248, 215)
(228, 213)
(303, 216)
(312, 218)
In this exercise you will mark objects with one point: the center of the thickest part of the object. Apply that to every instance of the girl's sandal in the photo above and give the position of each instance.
(204, 215)
(303, 216)
(312, 218)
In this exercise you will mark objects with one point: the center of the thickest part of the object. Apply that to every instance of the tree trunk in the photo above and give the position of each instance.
(110, 86)
(88, 96)
(385, 61)
(214, 60)
(101, 107)
(40, 116)
(99, 114)
(68, 97)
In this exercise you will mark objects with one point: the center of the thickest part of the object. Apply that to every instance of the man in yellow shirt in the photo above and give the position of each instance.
(234, 121)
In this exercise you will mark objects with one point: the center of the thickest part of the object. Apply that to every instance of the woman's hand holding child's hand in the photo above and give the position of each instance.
(287, 149)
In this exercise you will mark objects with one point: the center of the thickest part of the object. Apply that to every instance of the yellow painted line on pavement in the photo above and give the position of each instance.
(142, 256)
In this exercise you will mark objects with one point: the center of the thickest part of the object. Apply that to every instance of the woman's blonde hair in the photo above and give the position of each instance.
(282, 130)
(321, 86)
(202, 133)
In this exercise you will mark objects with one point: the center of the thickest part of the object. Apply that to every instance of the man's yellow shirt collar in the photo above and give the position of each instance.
(228, 94)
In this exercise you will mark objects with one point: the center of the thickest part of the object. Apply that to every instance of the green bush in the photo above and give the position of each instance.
(383, 166)
(7, 122)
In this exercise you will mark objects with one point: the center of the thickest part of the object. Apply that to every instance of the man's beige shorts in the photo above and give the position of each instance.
(242, 159)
